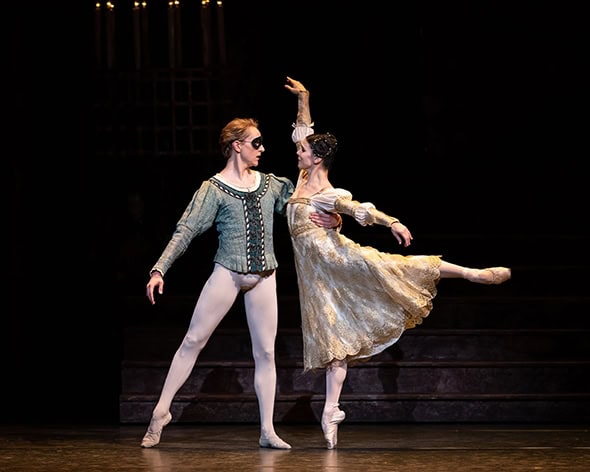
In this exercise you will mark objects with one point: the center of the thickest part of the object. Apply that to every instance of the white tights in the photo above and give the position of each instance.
(335, 377)
(454, 271)
(217, 297)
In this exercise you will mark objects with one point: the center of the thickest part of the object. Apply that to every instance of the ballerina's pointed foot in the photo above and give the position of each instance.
(330, 427)
(273, 441)
(152, 436)
(489, 276)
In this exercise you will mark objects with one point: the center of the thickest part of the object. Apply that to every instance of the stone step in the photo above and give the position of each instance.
(374, 377)
(381, 408)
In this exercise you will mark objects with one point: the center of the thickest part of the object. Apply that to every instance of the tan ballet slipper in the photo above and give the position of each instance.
(154, 432)
(273, 441)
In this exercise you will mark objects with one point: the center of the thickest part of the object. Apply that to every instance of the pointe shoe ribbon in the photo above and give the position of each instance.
(152, 436)
(273, 442)
(330, 428)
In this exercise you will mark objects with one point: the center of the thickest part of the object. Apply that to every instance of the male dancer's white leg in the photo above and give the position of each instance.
(262, 315)
(216, 298)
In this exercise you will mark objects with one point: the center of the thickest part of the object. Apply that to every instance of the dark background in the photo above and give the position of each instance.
(456, 117)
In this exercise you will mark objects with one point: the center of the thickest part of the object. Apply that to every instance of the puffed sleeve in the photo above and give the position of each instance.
(325, 201)
(301, 131)
(284, 189)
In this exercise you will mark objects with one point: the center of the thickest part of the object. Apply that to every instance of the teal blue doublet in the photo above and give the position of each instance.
(243, 220)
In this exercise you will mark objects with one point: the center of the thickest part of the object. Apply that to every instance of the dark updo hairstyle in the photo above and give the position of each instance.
(323, 145)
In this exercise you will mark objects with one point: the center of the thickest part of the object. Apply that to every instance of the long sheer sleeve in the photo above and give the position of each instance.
(341, 201)
(303, 125)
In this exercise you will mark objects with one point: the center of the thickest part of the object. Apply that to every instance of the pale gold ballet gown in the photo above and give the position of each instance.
(355, 300)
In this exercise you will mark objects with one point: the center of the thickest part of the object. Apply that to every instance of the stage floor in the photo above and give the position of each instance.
(361, 448)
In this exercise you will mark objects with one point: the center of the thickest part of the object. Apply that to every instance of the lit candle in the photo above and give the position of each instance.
(205, 21)
(110, 13)
(97, 34)
(171, 33)
(178, 34)
(144, 33)
(136, 35)
(221, 31)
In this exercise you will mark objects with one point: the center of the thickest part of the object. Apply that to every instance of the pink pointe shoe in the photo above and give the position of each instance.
(330, 426)
(488, 276)
(152, 436)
